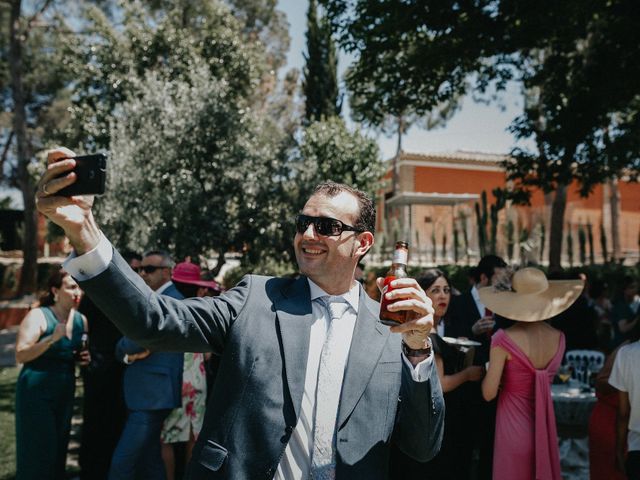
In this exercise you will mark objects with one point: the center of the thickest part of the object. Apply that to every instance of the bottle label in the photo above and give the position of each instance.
(400, 255)
(387, 317)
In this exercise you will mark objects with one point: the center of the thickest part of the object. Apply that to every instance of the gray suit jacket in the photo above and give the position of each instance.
(261, 329)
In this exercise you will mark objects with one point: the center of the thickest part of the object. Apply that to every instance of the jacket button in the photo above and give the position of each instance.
(289, 429)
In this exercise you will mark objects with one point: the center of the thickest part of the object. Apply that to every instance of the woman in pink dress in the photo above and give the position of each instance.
(523, 361)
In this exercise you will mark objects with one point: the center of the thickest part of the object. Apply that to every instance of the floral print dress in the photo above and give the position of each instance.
(189, 417)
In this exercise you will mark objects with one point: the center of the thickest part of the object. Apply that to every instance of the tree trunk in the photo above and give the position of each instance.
(558, 208)
(395, 186)
(30, 241)
(221, 260)
(614, 203)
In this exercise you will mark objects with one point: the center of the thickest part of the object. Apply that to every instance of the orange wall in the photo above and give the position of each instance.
(629, 196)
(450, 180)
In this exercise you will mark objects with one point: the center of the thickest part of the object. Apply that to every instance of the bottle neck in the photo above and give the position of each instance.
(396, 265)
(400, 256)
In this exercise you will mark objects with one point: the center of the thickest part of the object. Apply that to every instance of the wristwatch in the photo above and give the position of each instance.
(419, 352)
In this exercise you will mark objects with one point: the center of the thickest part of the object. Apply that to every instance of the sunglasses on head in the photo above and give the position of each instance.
(148, 268)
(329, 227)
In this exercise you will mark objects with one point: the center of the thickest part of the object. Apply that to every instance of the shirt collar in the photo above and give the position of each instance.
(476, 298)
(163, 287)
(475, 294)
(352, 296)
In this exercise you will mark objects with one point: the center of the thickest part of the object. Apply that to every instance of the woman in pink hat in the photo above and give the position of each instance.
(523, 361)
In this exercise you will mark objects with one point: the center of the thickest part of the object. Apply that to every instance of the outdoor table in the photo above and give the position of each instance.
(573, 403)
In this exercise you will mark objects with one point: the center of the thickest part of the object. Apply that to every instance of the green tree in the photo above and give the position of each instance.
(510, 236)
(603, 244)
(329, 151)
(167, 41)
(582, 241)
(179, 93)
(592, 255)
(320, 83)
(570, 245)
(575, 60)
(32, 78)
(198, 165)
(262, 20)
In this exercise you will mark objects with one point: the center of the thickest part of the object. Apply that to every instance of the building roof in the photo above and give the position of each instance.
(421, 198)
(460, 157)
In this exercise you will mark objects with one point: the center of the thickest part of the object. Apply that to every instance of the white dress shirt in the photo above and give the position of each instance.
(296, 461)
(479, 304)
(163, 287)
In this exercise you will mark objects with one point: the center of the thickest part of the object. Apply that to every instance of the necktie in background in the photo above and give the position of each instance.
(330, 375)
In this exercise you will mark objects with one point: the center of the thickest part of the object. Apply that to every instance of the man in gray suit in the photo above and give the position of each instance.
(310, 384)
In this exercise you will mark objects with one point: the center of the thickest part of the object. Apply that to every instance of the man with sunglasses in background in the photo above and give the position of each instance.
(310, 384)
(152, 387)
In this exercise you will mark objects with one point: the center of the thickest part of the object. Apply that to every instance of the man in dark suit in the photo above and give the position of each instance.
(310, 384)
(152, 387)
(469, 318)
(103, 409)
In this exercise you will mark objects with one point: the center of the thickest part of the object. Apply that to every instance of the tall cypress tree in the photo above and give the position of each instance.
(320, 83)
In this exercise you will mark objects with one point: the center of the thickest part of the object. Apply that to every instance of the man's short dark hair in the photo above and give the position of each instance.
(367, 216)
(487, 265)
(130, 255)
(167, 261)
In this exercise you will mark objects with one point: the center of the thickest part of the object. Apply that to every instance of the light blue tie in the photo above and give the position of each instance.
(330, 375)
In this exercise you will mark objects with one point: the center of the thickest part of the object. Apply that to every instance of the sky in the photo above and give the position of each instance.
(475, 127)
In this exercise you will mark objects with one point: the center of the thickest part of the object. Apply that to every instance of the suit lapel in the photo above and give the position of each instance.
(369, 338)
(293, 310)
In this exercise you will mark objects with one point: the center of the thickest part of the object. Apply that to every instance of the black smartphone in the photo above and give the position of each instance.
(91, 176)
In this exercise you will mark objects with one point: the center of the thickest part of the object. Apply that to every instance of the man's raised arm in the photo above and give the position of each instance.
(72, 214)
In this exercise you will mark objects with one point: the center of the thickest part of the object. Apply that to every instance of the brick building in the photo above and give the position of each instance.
(434, 208)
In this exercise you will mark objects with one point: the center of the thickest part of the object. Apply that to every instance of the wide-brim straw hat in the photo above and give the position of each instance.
(533, 298)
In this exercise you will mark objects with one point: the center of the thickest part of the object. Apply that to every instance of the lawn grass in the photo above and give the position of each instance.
(8, 378)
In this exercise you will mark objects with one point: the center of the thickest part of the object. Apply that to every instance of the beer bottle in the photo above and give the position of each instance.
(84, 341)
(398, 270)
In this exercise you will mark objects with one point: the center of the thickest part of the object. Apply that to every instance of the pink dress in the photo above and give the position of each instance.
(526, 442)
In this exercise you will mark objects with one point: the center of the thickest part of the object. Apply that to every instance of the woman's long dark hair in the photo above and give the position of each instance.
(55, 281)
(428, 278)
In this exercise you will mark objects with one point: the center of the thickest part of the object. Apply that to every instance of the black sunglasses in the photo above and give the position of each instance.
(329, 227)
(148, 268)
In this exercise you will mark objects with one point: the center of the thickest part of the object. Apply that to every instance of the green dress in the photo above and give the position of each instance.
(44, 405)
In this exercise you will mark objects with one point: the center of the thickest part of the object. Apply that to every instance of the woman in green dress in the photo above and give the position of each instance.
(48, 344)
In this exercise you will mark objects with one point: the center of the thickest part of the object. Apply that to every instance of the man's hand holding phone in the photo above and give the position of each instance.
(72, 214)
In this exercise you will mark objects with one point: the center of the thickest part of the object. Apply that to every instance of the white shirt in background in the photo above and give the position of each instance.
(625, 376)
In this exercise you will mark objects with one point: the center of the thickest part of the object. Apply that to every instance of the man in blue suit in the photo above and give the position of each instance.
(310, 384)
(152, 388)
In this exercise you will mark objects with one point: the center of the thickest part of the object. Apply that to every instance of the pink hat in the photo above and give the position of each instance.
(189, 273)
